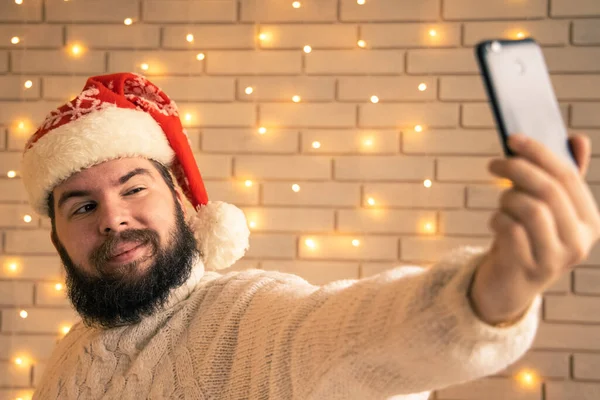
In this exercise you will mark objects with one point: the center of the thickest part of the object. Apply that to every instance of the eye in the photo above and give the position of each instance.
(84, 208)
(134, 191)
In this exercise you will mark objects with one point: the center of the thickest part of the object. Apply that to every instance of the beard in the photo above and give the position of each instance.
(124, 295)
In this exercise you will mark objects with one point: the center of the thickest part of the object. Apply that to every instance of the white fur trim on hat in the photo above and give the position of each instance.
(103, 135)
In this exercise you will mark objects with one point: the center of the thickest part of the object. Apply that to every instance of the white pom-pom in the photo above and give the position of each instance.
(222, 233)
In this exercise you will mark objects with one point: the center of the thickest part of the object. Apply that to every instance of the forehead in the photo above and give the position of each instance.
(105, 173)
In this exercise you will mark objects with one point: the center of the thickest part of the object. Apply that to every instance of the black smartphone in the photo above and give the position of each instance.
(522, 98)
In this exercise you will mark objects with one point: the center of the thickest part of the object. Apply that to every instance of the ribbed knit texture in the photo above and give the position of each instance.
(268, 335)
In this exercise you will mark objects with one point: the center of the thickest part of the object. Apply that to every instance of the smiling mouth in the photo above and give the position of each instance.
(129, 255)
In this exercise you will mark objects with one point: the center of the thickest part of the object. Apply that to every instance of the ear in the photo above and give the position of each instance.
(181, 200)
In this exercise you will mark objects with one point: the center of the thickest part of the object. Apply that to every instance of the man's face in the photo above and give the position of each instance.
(122, 236)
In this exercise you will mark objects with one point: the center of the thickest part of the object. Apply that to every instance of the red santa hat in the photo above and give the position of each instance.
(125, 115)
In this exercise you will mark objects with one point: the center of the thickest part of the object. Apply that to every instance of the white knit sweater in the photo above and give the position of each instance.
(268, 335)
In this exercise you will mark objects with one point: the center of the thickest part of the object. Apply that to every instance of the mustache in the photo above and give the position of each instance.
(100, 256)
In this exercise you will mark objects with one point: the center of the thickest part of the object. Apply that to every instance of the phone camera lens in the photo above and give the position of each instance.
(496, 46)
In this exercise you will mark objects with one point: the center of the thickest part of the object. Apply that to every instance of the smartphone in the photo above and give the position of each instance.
(521, 94)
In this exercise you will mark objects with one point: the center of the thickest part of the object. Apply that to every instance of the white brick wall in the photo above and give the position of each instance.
(339, 147)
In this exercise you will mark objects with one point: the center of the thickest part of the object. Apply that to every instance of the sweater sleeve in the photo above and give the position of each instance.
(406, 330)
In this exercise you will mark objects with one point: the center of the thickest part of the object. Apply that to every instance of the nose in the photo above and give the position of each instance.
(113, 217)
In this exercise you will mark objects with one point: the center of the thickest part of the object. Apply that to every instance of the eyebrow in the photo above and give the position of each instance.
(121, 181)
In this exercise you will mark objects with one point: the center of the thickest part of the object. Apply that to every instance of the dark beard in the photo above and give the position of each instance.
(121, 297)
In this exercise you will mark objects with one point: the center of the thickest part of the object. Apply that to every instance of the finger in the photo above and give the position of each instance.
(579, 193)
(538, 221)
(532, 180)
(511, 239)
(581, 147)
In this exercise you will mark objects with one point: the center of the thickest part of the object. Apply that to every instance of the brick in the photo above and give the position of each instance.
(11, 113)
(19, 242)
(407, 35)
(218, 115)
(576, 87)
(350, 141)
(233, 192)
(493, 9)
(353, 62)
(341, 247)
(318, 36)
(567, 337)
(272, 246)
(213, 166)
(594, 256)
(561, 286)
(290, 219)
(441, 61)
(585, 115)
(545, 364)
(470, 169)
(57, 62)
(3, 138)
(249, 141)
(315, 272)
(379, 221)
(452, 141)
(210, 37)
(192, 11)
(11, 189)
(593, 174)
(572, 309)
(586, 32)
(35, 346)
(408, 115)
(594, 135)
(421, 249)
(47, 295)
(253, 62)
(31, 36)
(3, 61)
(14, 375)
(479, 115)
(332, 115)
(91, 11)
(39, 320)
(390, 10)
(465, 222)
(574, 8)
(17, 138)
(383, 168)
(587, 281)
(571, 390)
(13, 216)
(282, 167)
(30, 11)
(196, 88)
(10, 161)
(572, 59)
(278, 11)
(16, 393)
(545, 32)
(62, 88)
(462, 88)
(492, 389)
(16, 294)
(159, 62)
(13, 88)
(414, 195)
(401, 88)
(284, 88)
(115, 36)
(325, 194)
(586, 366)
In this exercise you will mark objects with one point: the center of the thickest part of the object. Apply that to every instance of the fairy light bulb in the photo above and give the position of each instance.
(262, 130)
(368, 142)
(249, 90)
(23, 314)
(263, 36)
(296, 187)
(310, 243)
(316, 145)
(355, 242)
(58, 287)
(188, 117)
(307, 49)
(13, 267)
(27, 218)
(11, 174)
(371, 201)
(418, 128)
(360, 2)
(21, 125)
(144, 67)
(428, 227)
(65, 329)
(252, 224)
(422, 87)
(76, 50)
(28, 84)
(432, 32)
(189, 38)
(15, 40)
(248, 183)
(200, 56)
(527, 378)
(374, 99)
(19, 361)
(427, 183)
(296, 99)
(520, 35)
(361, 43)
(19, 2)
(296, 4)
(128, 21)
